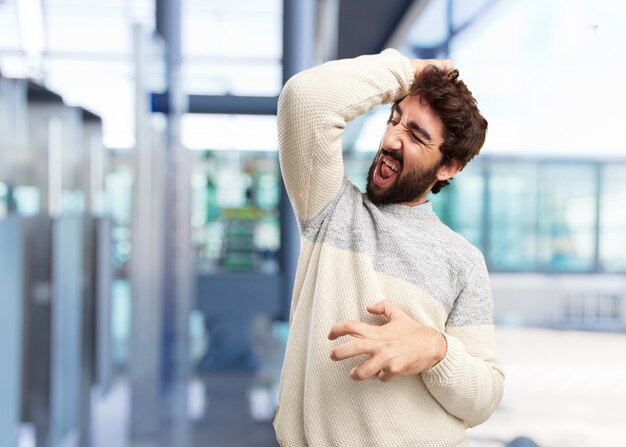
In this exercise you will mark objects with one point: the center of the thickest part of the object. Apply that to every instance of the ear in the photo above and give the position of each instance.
(449, 170)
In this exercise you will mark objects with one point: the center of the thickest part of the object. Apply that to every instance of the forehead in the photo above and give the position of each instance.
(418, 111)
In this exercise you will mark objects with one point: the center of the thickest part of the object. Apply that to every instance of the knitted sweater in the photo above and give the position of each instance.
(354, 254)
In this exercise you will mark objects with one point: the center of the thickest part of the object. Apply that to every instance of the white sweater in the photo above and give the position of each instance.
(354, 254)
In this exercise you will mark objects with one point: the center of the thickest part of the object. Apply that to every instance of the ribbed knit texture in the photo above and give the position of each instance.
(354, 254)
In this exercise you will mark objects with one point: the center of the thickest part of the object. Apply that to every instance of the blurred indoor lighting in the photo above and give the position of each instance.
(229, 132)
(32, 31)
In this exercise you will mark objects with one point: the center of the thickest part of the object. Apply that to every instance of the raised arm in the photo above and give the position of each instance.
(314, 108)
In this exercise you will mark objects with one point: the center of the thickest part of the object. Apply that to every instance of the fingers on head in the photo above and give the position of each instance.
(445, 64)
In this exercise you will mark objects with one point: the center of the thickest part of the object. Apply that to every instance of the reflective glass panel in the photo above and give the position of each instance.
(9, 31)
(460, 204)
(229, 132)
(232, 47)
(235, 219)
(613, 219)
(4, 205)
(567, 217)
(512, 239)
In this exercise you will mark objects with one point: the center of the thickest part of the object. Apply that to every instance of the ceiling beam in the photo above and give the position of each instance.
(365, 26)
(220, 104)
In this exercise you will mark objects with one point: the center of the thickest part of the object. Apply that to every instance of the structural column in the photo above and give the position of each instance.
(145, 360)
(298, 54)
(178, 274)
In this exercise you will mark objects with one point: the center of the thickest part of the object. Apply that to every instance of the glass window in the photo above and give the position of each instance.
(460, 205)
(512, 239)
(9, 31)
(514, 58)
(27, 200)
(235, 218)
(365, 132)
(229, 132)
(613, 219)
(220, 31)
(119, 197)
(82, 33)
(356, 166)
(4, 205)
(232, 47)
(567, 217)
(430, 29)
(88, 57)
(219, 76)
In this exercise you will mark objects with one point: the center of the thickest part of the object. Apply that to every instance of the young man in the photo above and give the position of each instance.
(391, 340)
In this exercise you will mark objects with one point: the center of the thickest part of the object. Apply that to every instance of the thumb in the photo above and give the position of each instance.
(384, 307)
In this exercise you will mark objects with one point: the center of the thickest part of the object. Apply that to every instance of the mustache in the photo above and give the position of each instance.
(396, 155)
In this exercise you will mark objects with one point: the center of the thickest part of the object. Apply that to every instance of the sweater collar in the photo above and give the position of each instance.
(422, 211)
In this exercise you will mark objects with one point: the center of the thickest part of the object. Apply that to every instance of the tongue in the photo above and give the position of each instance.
(385, 171)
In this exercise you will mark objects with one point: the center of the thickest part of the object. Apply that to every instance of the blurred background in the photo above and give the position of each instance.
(147, 249)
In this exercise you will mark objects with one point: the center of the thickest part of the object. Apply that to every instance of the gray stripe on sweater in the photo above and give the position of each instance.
(410, 244)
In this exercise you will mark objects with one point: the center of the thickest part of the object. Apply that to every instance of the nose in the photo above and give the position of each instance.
(392, 140)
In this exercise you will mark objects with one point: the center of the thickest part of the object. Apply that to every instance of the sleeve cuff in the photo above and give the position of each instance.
(444, 371)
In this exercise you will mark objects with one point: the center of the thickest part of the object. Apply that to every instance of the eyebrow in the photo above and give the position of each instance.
(413, 125)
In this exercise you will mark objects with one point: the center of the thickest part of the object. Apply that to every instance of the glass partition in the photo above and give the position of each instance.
(461, 204)
(235, 219)
(512, 219)
(232, 47)
(11, 344)
(612, 235)
(4, 200)
(567, 217)
(533, 215)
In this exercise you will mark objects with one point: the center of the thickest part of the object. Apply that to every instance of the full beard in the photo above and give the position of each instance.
(409, 185)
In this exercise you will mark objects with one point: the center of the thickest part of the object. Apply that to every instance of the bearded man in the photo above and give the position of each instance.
(392, 339)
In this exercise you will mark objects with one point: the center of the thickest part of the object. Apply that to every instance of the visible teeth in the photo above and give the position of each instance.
(392, 167)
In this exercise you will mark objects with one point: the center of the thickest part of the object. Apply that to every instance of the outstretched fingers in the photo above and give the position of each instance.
(386, 308)
(352, 348)
(349, 327)
(366, 369)
(384, 375)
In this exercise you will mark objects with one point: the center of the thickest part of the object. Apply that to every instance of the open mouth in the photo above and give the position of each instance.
(387, 169)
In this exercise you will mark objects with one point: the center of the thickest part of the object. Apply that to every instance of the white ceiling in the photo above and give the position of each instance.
(229, 46)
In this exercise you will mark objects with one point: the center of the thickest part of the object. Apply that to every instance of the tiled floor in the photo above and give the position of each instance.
(227, 421)
(563, 388)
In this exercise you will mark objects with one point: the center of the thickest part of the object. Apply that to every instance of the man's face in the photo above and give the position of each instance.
(408, 162)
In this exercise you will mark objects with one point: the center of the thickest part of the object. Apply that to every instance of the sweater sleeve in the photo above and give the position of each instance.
(469, 382)
(314, 108)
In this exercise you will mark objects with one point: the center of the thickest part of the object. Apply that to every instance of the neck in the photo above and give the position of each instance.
(418, 201)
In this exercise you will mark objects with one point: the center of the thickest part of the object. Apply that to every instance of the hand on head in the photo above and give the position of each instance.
(420, 64)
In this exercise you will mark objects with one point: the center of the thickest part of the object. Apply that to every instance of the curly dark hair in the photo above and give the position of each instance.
(464, 127)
